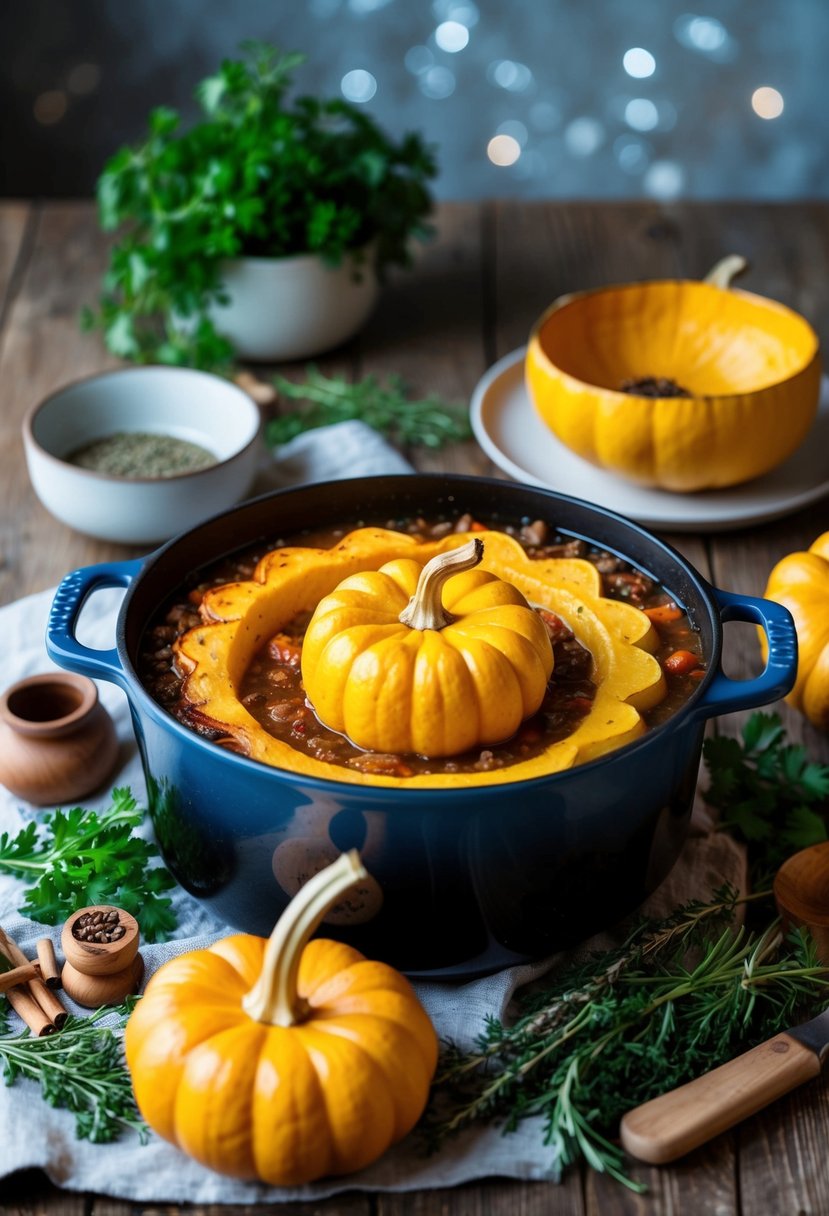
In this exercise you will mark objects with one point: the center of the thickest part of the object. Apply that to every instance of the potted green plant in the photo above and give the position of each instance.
(261, 230)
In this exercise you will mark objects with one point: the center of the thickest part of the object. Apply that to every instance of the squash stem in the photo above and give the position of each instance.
(274, 998)
(425, 609)
(726, 269)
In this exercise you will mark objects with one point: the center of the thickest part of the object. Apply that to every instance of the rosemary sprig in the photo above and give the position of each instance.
(625, 1026)
(425, 422)
(80, 1068)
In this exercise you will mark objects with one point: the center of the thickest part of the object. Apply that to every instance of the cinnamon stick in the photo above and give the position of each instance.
(49, 969)
(19, 975)
(45, 998)
(26, 1007)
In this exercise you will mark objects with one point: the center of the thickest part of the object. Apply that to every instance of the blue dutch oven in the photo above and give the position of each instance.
(462, 881)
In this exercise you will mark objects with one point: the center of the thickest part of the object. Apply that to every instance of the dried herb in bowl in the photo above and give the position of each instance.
(139, 454)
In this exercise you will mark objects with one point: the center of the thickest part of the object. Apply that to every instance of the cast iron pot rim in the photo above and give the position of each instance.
(436, 794)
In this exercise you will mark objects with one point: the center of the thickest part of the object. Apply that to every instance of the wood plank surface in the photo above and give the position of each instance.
(471, 298)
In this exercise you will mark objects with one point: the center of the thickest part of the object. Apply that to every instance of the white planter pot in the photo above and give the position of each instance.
(292, 308)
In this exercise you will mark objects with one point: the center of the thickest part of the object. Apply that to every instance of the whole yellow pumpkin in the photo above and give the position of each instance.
(432, 659)
(282, 1059)
(800, 581)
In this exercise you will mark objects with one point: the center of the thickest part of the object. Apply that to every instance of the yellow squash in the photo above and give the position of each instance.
(750, 367)
(432, 659)
(800, 581)
(239, 618)
(282, 1059)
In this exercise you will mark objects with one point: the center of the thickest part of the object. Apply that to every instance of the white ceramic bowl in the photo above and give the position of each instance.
(294, 307)
(191, 405)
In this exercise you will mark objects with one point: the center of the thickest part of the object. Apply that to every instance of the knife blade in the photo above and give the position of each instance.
(682, 1119)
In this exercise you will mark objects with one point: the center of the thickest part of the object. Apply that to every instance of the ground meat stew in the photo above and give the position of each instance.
(273, 694)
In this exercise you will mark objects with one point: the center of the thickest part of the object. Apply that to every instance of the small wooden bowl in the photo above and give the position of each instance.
(100, 958)
(93, 991)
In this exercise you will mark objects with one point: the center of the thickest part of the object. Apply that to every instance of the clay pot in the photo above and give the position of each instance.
(57, 743)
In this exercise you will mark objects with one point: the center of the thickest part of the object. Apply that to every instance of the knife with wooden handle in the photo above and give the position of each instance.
(673, 1124)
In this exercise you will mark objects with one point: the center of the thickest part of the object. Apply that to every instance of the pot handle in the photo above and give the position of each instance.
(723, 695)
(61, 644)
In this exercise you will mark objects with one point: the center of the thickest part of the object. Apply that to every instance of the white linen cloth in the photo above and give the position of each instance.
(32, 1134)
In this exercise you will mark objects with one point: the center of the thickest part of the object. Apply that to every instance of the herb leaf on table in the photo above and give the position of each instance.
(385, 407)
(80, 857)
(769, 793)
(81, 1068)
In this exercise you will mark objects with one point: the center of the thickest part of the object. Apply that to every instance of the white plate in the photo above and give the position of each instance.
(513, 436)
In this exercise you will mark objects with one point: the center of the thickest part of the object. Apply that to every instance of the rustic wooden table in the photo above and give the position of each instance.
(471, 299)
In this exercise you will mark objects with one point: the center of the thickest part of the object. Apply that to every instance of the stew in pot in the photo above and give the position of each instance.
(272, 689)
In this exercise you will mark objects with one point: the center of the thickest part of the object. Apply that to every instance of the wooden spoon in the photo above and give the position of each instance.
(673, 1124)
(801, 892)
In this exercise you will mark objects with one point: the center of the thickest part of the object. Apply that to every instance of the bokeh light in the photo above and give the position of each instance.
(50, 107)
(451, 36)
(507, 74)
(633, 154)
(767, 102)
(664, 179)
(358, 86)
(503, 150)
(638, 62)
(437, 83)
(706, 35)
(418, 59)
(641, 114)
(584, 136)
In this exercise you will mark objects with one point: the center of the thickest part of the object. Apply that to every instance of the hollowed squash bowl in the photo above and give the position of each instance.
(463, 880)
(750, 366)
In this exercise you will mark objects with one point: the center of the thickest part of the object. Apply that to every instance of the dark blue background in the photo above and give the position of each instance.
(78, 79)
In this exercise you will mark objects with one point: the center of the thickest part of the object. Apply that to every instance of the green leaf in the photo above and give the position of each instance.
(804, 827)
(211, 91)
(79, 857)
(121, 337)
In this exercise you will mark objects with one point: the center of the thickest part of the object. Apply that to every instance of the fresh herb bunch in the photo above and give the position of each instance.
(258, 175)
(769, 793)
(81, 1068)
(426, 422)
(628, 1025)
(81, 857)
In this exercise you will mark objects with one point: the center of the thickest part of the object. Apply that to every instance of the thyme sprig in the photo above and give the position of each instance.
(81, 1068)
(625, 1025)
(386, 407)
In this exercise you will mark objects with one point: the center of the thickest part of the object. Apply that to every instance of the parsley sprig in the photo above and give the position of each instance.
(78, 857)
(385, 407)
(770, 794)
(81, 1068)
